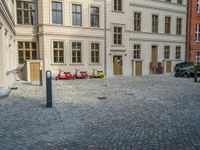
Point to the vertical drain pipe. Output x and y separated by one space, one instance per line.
105 37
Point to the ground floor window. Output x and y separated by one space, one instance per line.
136 52
167 52
58 52
95 52
76 52
26 51
198 57
178 52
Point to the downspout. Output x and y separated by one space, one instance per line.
188 31
105 37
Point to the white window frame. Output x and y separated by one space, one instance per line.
198 6
197 33
197 57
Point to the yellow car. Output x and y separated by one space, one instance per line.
97 74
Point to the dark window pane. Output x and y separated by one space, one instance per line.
59 17
20 53
55 44
34 55
55 53
27 54
55 59
61 59
54 17
27 45
33 45
61 44
61 53
19 4
25 5
73 45
20 45
59 6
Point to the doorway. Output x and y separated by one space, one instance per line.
34 71
168 66
117 65
138 68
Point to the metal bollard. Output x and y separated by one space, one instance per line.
49 88
195 74
41 78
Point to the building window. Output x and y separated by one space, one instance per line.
118 35
178 52
58 52
198 6
26 13
76 52
167 25
198 57
197 37
76 15
167 52
95 52
169 1
137 21
155 23
118 5
180 2
57 12
179 26
94 17
26 51
137 51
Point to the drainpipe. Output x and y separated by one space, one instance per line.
105 37
188 30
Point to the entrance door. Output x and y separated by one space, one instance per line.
34 71
117 65
168 66
138 68
154 58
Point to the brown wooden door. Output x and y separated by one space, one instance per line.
34 71
168 66
138 68
117 65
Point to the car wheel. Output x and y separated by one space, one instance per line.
186 75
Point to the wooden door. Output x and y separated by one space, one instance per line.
168 66
117 65
34 71
138 68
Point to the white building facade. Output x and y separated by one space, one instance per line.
145 36
8 51
141 37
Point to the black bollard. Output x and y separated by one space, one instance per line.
195 74
49 88
41 78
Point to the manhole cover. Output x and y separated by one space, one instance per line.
14 88
102 98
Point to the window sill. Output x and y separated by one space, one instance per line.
77 26
23 25
118 11
58 64
117 45
178 60
95 64
76 64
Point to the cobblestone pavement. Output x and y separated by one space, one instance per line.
122 113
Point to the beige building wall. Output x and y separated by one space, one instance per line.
145 37
45 32
8 52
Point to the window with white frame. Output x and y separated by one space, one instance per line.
197 35
198 6
198 57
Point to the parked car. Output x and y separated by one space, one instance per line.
182 65
187 71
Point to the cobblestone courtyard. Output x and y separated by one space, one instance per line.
150 112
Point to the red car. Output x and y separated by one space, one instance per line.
64 75
81 74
